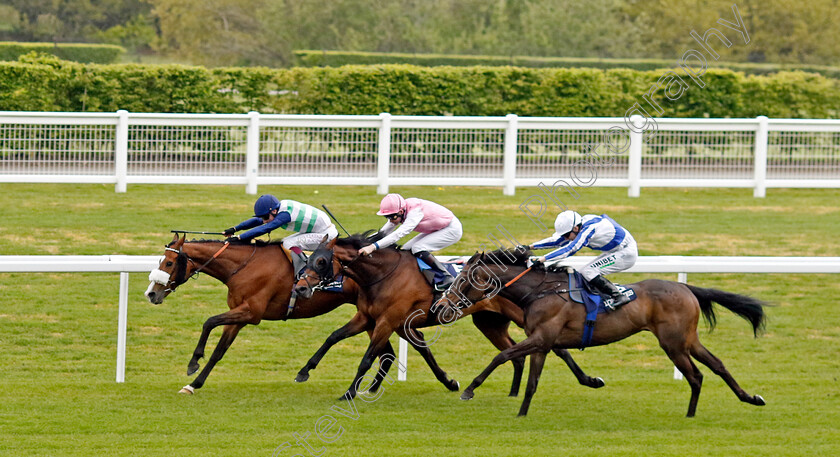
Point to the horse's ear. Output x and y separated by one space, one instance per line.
179 241
331 244
324 239
174 238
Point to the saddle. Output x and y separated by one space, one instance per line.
594 301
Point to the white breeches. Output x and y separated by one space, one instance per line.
619 259
436 241
309 241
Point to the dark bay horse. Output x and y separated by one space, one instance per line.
259 282
394 296
669 310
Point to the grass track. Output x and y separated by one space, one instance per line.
58 340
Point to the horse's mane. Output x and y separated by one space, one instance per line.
513 257
258 243
360 240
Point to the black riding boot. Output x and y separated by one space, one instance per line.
431 261
604 286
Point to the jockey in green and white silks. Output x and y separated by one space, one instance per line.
309 223
601 233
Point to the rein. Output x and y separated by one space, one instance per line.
396 265
204 265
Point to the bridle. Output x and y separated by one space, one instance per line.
326 275
181 268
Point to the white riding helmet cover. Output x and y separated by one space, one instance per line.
566 221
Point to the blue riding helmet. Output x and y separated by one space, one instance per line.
265 204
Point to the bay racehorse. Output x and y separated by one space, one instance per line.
259 281
394 296
258 278
669 310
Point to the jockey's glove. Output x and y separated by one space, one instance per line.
230 231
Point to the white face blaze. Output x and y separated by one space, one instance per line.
157 276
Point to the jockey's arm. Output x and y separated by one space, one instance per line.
569 249
387 228
280 219
550 242
411 220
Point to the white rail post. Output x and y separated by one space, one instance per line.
682 278
383 156
121 151
634 164
511 142
252 153
122 326
401 366
761 138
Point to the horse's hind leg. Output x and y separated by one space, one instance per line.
228 335
416 340
699 352
678 353
537 363
356 325
495 328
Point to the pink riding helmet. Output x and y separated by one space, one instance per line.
391 204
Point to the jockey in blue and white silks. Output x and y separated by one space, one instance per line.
601 233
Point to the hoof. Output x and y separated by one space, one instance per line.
347 395
596 383
187 390
513 394
758 400
454 386
192 368
302 377
467 395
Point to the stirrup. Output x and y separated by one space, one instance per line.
617 302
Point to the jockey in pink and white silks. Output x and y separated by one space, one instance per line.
438 228
601 233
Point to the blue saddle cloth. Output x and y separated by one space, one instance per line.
593 301
438 276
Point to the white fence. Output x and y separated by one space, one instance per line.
256 149
649 264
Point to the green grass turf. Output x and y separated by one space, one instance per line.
58 339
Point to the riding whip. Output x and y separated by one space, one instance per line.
336 220
198 233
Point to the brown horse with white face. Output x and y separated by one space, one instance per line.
669 310
259 281
394 297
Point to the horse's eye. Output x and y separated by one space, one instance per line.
169 264
320 262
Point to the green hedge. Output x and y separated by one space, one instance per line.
307 58
76 52
42 83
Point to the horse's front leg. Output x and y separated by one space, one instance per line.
228 335
239 315
378 342
357 325
582 377
416 339
521 349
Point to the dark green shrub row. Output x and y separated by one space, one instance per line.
306 58
48 84
76 52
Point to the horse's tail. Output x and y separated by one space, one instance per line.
749 308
